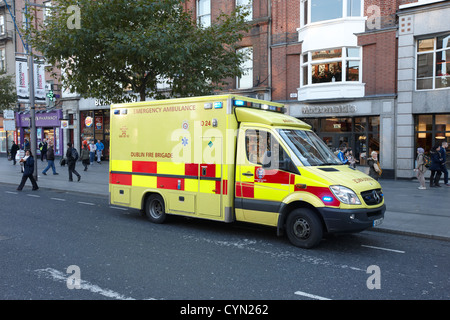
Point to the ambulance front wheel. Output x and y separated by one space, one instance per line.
154 209
304 228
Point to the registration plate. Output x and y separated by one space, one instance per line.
377 222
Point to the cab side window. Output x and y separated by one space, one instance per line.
264 150
257 143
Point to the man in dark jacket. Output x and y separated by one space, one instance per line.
50 160
71 162
28 171
436 166
14 149
444 159
43 146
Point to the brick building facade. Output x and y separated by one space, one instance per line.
335 65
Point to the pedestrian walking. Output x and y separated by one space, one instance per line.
28 162
43 147
72 157
92 149
436 166
444 170
99 145
420 168
374 166
13 152
84 156
50 160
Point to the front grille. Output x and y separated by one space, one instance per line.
372 197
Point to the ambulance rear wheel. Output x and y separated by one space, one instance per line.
154 209
303 228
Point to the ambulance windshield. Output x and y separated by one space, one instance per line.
309 148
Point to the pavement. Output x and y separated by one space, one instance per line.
410 211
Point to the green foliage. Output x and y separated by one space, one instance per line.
8 96
124 45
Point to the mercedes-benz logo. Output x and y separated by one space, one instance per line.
376 196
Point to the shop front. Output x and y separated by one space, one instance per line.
48 127
7 131
94 126
361 125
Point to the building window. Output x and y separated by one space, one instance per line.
47 10
2 59
431 129
353 8
323 10
246 80
2 24
204 13
248 7
331 65
433 63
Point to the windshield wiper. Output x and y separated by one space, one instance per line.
330 164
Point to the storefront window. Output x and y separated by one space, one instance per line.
431 129
361 134
95 125
2 141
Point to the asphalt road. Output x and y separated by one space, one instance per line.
117 254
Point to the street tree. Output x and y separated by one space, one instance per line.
8 97
108 48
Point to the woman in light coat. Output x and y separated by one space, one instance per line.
420 169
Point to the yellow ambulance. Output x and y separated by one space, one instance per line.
231 158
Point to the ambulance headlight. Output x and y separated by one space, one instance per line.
345 195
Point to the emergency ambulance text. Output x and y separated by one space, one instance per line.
165 109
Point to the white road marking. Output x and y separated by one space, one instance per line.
58 199
11 192
385 249
33 195
88 203
308 295
84 285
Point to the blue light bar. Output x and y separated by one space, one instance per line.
256 105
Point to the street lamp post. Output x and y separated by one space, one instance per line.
33 134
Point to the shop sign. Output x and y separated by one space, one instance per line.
88 122
344 108
9 125
50 119
8 114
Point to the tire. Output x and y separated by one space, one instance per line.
304 228
155 209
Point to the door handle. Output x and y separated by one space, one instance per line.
248 174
